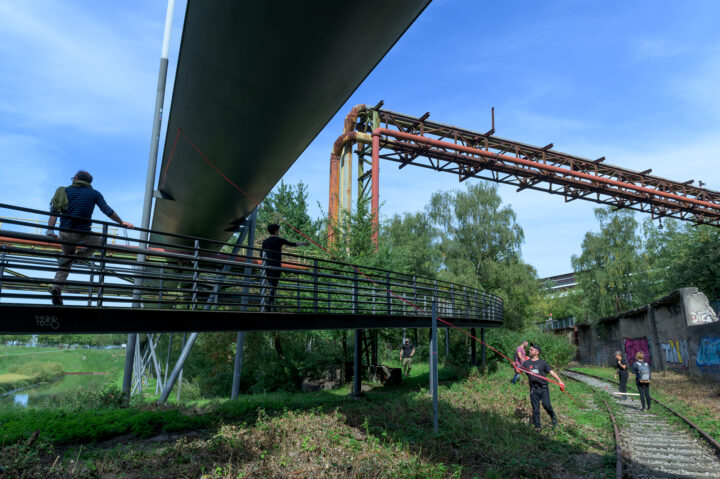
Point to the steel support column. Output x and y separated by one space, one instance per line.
434 366
357 383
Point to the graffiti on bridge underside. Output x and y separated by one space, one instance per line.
632 346
676 352
708 355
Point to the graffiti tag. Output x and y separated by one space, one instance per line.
47 321
702 317
676 352
632 346
708 355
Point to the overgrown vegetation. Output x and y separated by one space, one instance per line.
324 434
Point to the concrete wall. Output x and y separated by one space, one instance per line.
679 331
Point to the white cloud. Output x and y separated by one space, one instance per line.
70 67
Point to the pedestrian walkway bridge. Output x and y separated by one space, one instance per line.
217 288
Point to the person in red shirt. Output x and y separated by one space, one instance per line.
520 358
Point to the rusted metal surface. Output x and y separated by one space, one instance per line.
416 141
618 449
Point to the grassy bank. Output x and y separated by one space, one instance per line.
484 432
30 373
72 360
694 398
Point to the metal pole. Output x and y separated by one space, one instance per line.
473 349
167 361
482 348
150 180
434 366
240 341
177 370
357 385
447 342
180 376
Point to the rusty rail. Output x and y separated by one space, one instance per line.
715 444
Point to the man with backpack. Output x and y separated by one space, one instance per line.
76 203
642 379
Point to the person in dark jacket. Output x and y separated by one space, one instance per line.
643 376
622 373
76 203
272 249
539 391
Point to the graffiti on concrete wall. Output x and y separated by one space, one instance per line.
708 355
702 317
699 310
632 346
676 352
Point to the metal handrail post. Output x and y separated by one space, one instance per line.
101 272
434 366
387 289
315 285
2 266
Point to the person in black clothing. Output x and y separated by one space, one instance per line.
622 373
641 368
539 391
407 351
272 249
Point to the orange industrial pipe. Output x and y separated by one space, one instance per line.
348 127
578 174
375 175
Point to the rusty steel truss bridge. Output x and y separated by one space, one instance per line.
416 141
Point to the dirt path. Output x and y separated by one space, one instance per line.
654 448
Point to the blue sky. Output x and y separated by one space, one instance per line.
635 82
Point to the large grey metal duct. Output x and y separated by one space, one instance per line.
256 82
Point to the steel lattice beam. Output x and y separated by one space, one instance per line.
415 141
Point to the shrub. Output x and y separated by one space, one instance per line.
556 349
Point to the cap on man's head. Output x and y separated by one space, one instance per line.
536 347
273 228
83 175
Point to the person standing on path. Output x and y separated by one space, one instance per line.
272 248
539 390
520 358
407 351
643 376
622 373
76 203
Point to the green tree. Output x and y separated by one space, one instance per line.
479 242
410 240
682 255
612 268
287 206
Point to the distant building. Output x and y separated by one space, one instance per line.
560 283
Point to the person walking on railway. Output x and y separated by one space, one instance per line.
407 351
520 358
272 249
76 204
643 377
539 390
622 373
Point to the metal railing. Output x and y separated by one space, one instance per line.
182 277
555 324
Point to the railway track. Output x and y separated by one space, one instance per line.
651 447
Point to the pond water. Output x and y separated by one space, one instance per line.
66 384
